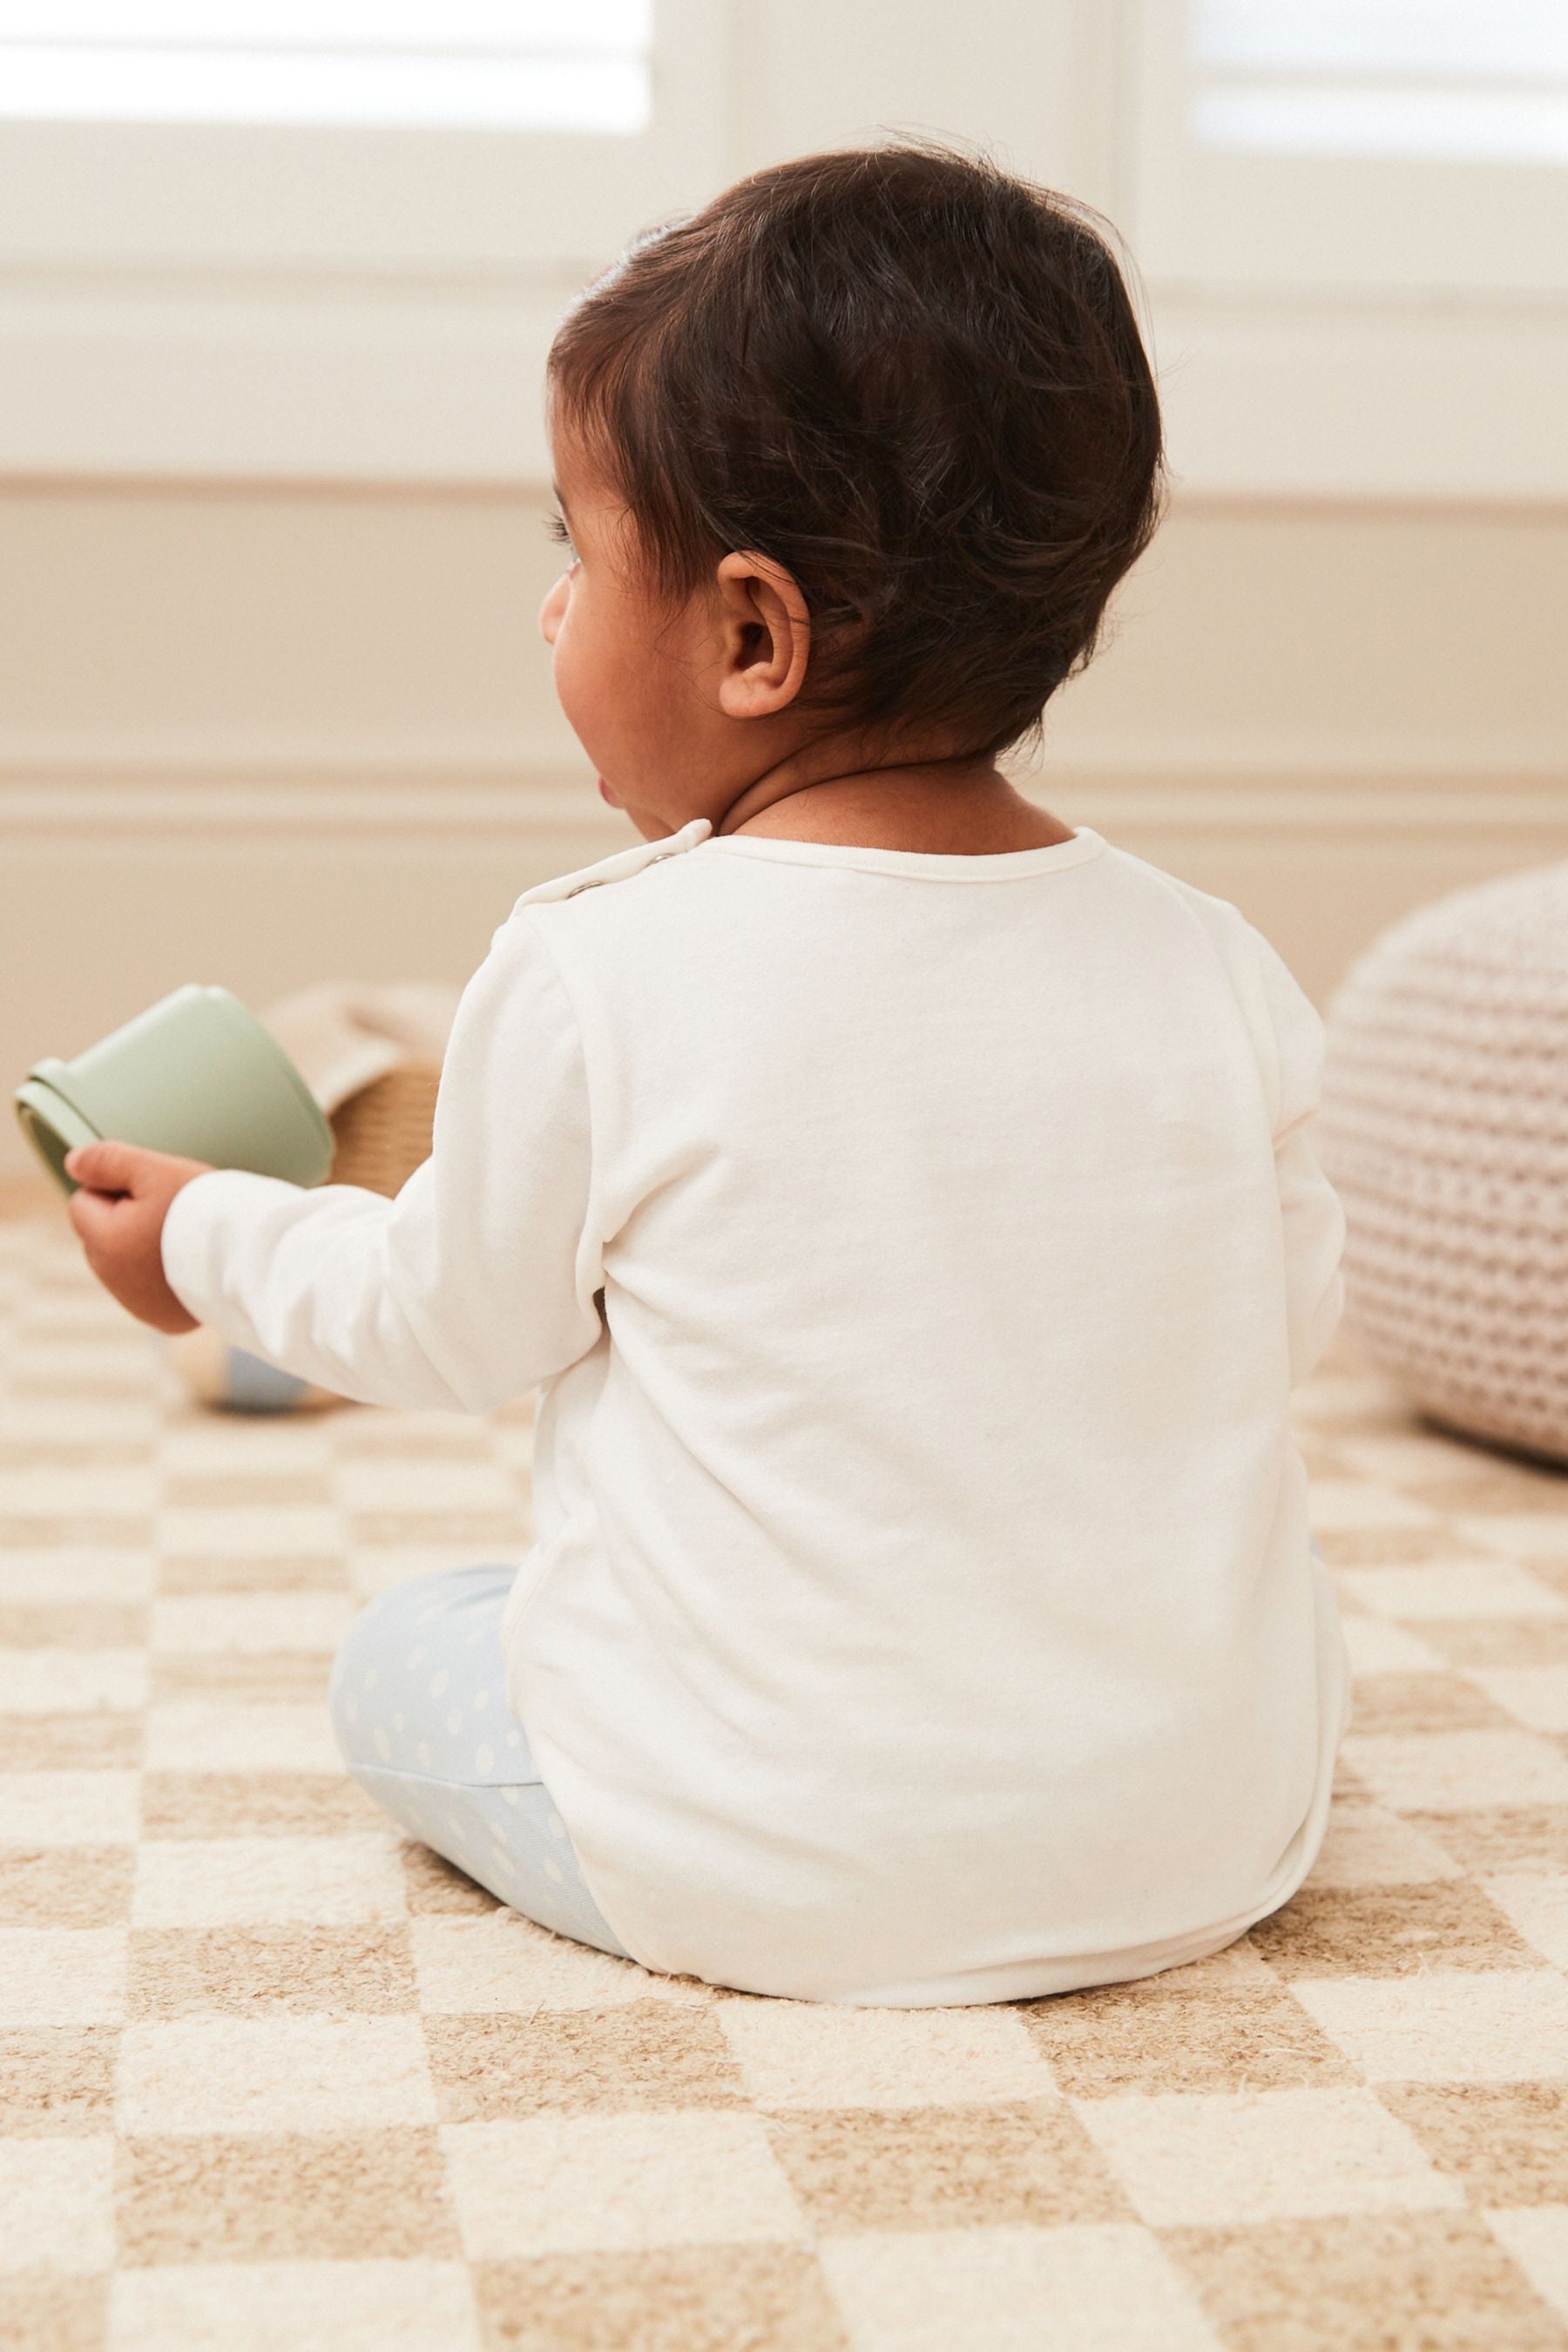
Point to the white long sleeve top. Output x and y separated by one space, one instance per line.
923 1607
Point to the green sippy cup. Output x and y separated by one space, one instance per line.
196 1073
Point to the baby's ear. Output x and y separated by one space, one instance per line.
767 636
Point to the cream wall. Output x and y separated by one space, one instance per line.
261 736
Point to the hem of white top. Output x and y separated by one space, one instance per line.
1042 1978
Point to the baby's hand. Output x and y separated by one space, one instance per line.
119 1218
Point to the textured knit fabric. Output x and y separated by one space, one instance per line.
923 1607
1445 1130
419 1708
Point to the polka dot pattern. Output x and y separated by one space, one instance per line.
407 1712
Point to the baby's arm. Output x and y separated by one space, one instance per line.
479 1279
1312 1222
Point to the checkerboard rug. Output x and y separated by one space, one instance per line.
272 2079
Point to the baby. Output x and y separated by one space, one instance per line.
904 1201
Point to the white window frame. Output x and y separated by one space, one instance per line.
375 305
1481 232
1344 325
294 301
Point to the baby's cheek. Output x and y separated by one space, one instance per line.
591 687
570 687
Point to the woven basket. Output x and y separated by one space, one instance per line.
382 1134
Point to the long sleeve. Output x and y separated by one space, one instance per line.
1312 1221
479 1279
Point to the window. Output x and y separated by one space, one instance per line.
398 134
1352 218
529 65
1445 79
1407 145
324 237
332 237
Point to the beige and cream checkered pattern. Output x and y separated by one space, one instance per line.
273 2079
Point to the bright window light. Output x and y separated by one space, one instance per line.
1460 80
529 65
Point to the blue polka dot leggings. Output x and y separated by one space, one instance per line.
418 1704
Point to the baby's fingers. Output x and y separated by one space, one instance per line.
106 1167
93 1215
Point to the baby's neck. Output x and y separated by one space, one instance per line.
940 808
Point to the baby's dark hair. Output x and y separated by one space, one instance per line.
914 382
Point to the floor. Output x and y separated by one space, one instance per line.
271 2080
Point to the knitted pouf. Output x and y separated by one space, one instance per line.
1445 1127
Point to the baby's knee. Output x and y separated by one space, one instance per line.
366 1662
397 1631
